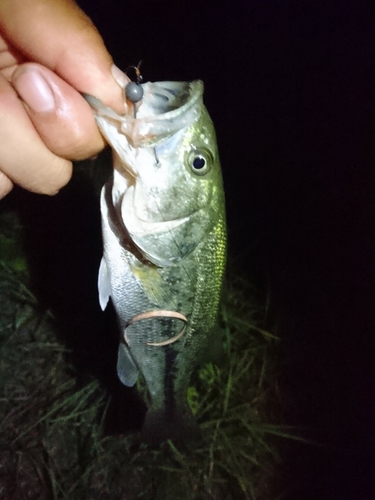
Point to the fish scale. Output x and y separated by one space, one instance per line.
164 239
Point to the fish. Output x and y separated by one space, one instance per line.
164 246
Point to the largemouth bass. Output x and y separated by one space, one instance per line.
164 238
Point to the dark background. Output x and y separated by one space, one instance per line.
290 88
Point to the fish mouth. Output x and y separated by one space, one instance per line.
168 100
166 108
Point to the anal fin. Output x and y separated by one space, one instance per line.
104 284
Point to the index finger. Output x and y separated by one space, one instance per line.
59 35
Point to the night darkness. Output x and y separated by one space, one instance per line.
290 88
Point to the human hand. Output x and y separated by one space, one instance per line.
49 53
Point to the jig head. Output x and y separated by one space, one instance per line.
134 90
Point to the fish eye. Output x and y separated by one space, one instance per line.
200 161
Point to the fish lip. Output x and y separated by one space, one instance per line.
129 171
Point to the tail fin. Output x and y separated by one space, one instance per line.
177 424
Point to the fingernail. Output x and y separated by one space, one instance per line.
35 91
119 76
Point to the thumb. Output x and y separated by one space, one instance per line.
59 35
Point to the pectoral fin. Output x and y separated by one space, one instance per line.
152 283
127 370
104 285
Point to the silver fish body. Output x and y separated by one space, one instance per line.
164 238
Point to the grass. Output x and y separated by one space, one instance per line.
54 442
